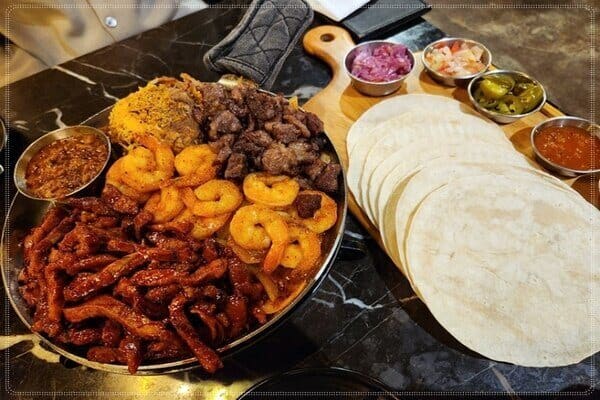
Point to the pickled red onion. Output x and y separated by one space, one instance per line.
383 63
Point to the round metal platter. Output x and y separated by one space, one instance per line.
25 213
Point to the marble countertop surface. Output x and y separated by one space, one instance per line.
364 316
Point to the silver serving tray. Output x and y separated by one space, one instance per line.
25 213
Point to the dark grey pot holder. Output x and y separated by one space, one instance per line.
258 46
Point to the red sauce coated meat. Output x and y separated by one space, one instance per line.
569 146
65 165
112 286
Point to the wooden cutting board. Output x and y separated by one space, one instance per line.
339 104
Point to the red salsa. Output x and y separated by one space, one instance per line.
65 165
569 146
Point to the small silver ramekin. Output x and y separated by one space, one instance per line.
374 88
593 129
498 117
33 148
448 80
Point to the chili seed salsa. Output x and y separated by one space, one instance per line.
65 165
569 146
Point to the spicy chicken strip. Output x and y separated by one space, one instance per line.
35 272
162 294
166 349
93 205
215 329
152 253
106 355
108 307
131 294
84 240
210 272
93 263
80 337
236 309
186 249
51 219
54 299
166 276
207 357
118 201
131 348
140 221
241 280
41 248
210 250
111 333
157 277
84 285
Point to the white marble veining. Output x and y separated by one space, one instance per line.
355 235
491 365
20 124
352 300
74 74
58 119
503 381
323 302
108 95
87 80
133 74
107 71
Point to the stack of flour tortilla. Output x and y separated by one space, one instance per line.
505 256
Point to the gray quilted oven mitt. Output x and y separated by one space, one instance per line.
259 45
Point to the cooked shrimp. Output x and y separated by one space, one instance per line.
270 190
203 227
324 218
146 168
255 227
247 256
113 177
196 166
286 214
304 249
166 205
213 198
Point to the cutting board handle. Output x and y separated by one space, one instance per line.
329 43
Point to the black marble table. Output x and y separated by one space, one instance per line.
364 317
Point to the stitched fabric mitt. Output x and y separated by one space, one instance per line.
258 46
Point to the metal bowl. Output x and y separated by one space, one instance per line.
447 80
33 148
503 118
24 213
321 383
374 88
593 129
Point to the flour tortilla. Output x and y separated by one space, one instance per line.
357 158
509 268
449 130
409 193
410 158
383 111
